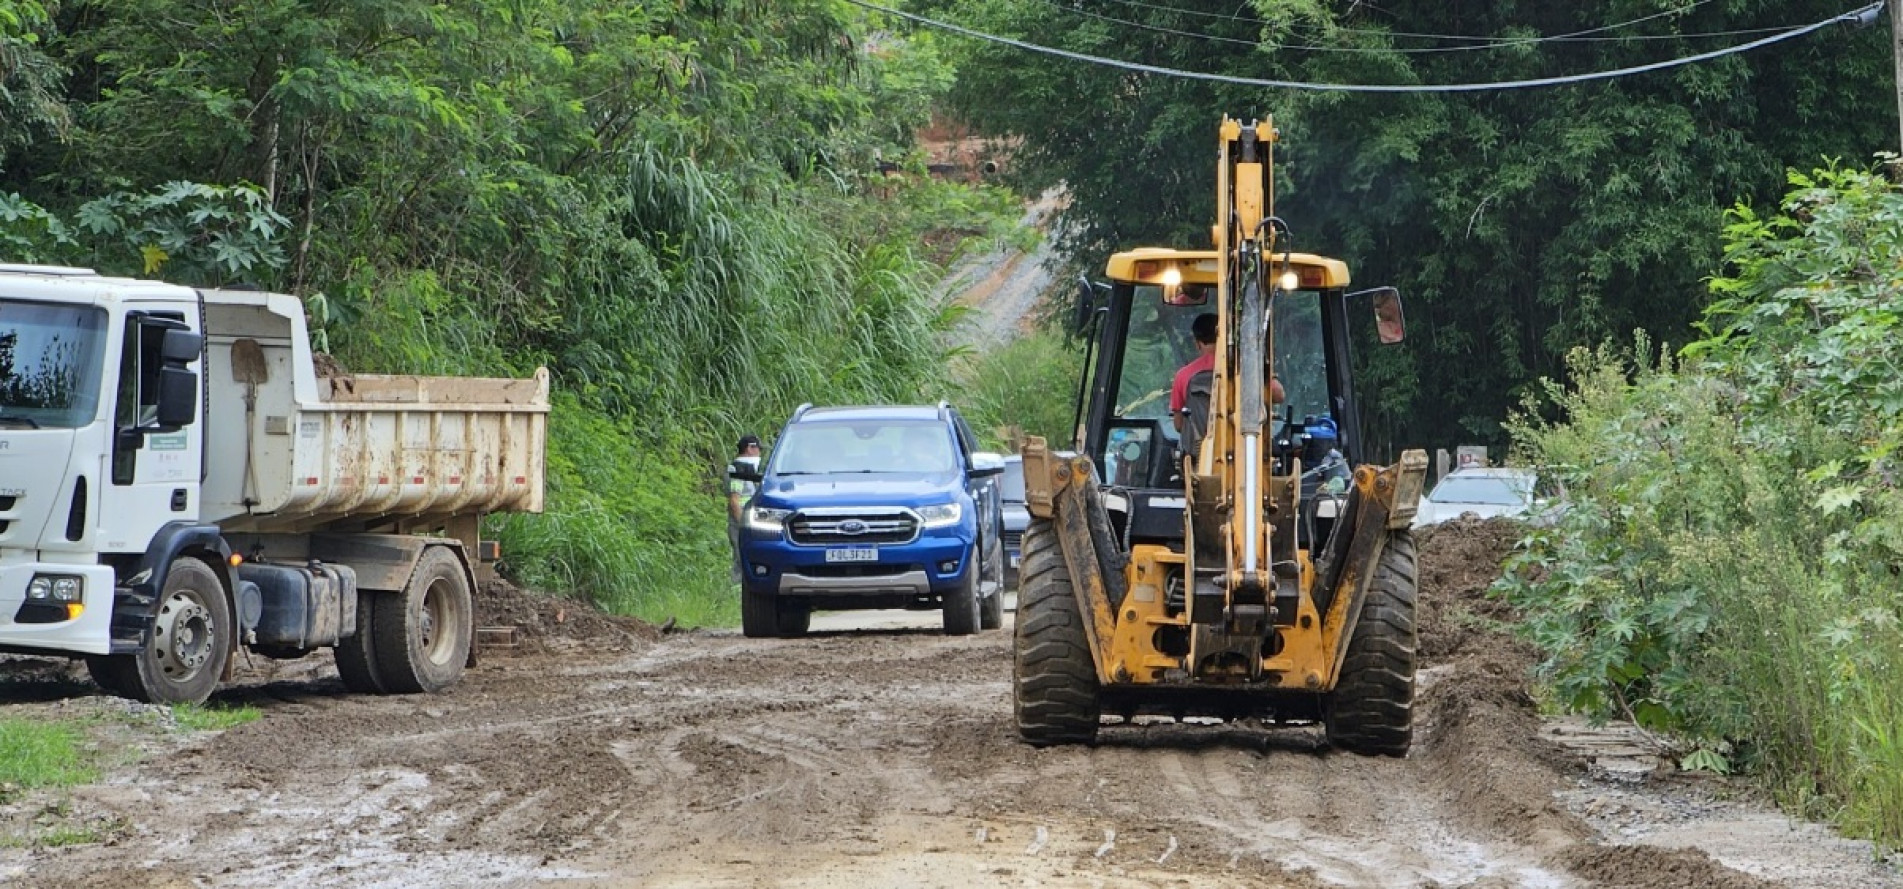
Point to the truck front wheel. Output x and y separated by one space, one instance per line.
422 635
764 615
188 646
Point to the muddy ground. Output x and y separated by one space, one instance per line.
602 753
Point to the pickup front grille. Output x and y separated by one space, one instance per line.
854 527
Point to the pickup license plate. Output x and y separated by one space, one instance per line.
853 554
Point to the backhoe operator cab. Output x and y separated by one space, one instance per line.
1154 296
1252 565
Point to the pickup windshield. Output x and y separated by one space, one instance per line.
51 358
821 448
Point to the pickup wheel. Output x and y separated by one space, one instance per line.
421 636
991 611
1371 710
1053 671
764 615
962 603
188 645
357 654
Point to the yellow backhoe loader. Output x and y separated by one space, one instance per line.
1235 567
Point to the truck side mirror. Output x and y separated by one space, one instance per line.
746 472
181 347
178 398
985 464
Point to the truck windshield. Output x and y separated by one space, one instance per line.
51 359
821 448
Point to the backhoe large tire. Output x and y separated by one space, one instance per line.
764 615
421 636
1054 674
189 643
991 610
1371 710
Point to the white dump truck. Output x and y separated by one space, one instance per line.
177 480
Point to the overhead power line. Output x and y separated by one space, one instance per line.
1855 15
1568 36
1493 42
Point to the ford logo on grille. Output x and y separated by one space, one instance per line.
852 526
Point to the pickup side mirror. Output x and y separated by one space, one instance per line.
746 472
985 464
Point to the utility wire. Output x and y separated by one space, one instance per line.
1242 18
1851 16
1496 42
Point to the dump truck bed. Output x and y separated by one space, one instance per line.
289 450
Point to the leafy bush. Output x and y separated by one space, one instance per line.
1728 566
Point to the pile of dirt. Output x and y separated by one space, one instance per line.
1647 867
1474 715
545 621
1458 561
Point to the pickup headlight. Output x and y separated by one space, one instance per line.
767 518
940 514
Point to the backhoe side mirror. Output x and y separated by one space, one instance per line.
1389 325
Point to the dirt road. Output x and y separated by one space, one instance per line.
609 756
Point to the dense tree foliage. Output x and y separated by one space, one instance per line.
1517 223
668 202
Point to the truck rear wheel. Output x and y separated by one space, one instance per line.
422 635
1371 710
189 644
764 615
357 654
1054 673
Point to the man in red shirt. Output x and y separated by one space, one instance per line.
1203 331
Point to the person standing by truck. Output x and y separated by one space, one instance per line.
739 491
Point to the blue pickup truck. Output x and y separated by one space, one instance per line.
874 507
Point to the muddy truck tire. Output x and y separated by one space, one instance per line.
185 653
767 616
1054 676
1371 710
422 635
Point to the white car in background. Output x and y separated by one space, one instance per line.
1485 492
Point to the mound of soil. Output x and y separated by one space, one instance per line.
545 621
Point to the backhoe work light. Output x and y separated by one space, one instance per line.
1291 281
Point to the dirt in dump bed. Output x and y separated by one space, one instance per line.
544 621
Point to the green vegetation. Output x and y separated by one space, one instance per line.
42 754
1728 567
1517 224
213 717
1026 387
672 205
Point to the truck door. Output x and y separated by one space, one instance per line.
157 441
